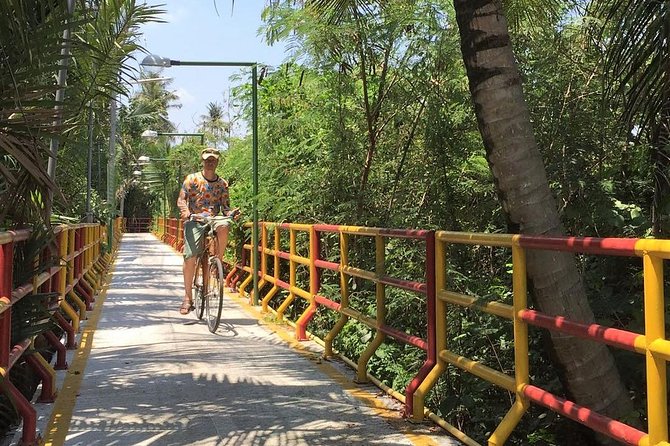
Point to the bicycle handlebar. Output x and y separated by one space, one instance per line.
205 218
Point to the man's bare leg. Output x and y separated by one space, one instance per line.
222 241
189 272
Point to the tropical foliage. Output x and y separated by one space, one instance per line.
51 132
393 114
375 114
102 35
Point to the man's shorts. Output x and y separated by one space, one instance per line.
194 234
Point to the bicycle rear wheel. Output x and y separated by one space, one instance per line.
199 289
214 296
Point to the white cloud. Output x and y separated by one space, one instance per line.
185 97
176 15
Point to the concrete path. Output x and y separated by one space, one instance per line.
145 375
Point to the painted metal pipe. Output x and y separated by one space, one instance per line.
654 321
6 258
61 352
599 423
611 336
47 376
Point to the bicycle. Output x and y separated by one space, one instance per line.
209 280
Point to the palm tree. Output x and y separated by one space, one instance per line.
153 103
638 63
31 34
147 109
29 56
588 371
213 124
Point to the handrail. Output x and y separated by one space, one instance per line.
81 262
653 343
14 236
652 252
378 276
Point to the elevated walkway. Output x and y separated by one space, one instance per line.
145 375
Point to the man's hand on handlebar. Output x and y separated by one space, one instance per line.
204 216
234 213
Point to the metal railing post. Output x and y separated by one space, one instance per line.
6 258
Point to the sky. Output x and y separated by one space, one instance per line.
206 30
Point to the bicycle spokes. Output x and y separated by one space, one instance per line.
214 297
199 289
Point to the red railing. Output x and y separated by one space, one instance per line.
378 276
74 281
134 225
653 344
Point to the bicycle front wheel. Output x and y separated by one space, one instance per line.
214 296
199 288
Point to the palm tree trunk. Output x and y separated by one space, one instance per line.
588 370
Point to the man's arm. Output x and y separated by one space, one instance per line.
225 199
182 204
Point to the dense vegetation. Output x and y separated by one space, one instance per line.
375 114
371 122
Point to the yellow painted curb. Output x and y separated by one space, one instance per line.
61 415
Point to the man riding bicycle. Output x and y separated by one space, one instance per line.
202 197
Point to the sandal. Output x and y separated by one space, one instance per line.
186 307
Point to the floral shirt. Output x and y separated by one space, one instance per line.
204 196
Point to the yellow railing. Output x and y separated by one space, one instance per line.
278 270
653 344
74 281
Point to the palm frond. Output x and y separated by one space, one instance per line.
334 11
32 315
637 60
31 37
104 34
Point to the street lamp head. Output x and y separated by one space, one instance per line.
137 173
143 159
152 60
150 134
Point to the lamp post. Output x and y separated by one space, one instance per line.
89 165
60 97
153 60
151 134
